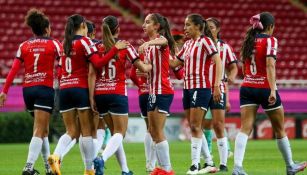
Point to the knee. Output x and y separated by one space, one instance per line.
40 132
195 128
246 129
73 133
219 129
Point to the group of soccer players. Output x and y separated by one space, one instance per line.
92 85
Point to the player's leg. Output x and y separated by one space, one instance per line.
276 115
207 129
159 108
249 106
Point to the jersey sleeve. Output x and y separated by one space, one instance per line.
133 76
230 55
89 47
132 54
271 50
209 46
58 49
19 53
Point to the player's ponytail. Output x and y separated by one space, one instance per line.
38 21
109 28
248 44
164 30
72 25
260 23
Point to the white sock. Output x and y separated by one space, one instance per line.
163 155
121 158
100 137
223 150
205 151
95 146
285 149
112 146
147 146
68 148
152 156
196 144
81 150
88 147
64 141
35 148
46 152
240 145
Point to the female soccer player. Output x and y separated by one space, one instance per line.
110 93
38 55
218 109
258 52
74 95
197 54
157 52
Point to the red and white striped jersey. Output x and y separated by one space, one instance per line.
75 67
227 57
196 55
111 79
255 74
140 81
159 79
38 55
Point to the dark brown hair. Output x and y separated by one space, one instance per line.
267 19
73 24
38 21
109 27
217 24
164 30
197 19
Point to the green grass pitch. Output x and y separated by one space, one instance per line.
261 158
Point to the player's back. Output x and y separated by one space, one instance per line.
75 66
38 55
111 78
255 74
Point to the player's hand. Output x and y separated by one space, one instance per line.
230 79
272 98
122 44
143 47
93 106
217 94
228 106
2 99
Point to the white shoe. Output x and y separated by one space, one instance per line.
193 169
208 169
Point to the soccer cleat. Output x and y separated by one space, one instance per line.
208 169
223 168
193 169
295 168
54 162
30 172
98 165
89 172
125 173
238 171
159 171
49 173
